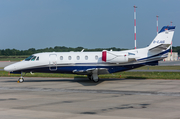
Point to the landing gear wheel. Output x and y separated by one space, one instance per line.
97 80
89 77
94 76
20 80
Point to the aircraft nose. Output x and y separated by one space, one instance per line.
9 68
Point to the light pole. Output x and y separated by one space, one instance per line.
171 23
171 44
157 24
135 24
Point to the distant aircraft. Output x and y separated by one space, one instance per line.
93 64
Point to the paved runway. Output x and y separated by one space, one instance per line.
5 63
57 98
169 63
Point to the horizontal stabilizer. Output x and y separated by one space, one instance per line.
160 47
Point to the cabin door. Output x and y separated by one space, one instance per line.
52 62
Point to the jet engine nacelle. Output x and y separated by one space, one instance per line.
116 57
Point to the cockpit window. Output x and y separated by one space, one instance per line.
29 58
32 58
37 58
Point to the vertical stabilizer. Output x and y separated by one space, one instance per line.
163 38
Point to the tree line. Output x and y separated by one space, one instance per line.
30 51
15 52
176 49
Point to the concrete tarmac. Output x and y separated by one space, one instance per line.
5 63
169 63
67 98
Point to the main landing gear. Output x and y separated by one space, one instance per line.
21 79
93 77
90 77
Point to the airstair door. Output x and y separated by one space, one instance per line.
52 62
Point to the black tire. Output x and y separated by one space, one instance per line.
96 81
89 77
21 80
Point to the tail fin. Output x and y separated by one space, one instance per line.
163 40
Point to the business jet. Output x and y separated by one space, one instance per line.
93 64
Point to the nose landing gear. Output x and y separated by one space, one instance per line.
21 79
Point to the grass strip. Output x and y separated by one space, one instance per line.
122 75
13 58
159 68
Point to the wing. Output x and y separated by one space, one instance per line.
90 71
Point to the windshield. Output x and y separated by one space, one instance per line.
29 58
32 58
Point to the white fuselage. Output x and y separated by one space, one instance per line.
54 61
95 63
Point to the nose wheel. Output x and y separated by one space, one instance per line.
21 79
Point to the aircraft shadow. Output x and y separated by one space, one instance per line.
82 81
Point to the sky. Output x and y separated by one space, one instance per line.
90 24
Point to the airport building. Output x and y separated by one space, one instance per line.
173 57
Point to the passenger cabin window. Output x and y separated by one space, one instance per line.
96 57
78 58
86 57
61 57
69 58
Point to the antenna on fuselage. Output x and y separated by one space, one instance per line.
82 50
